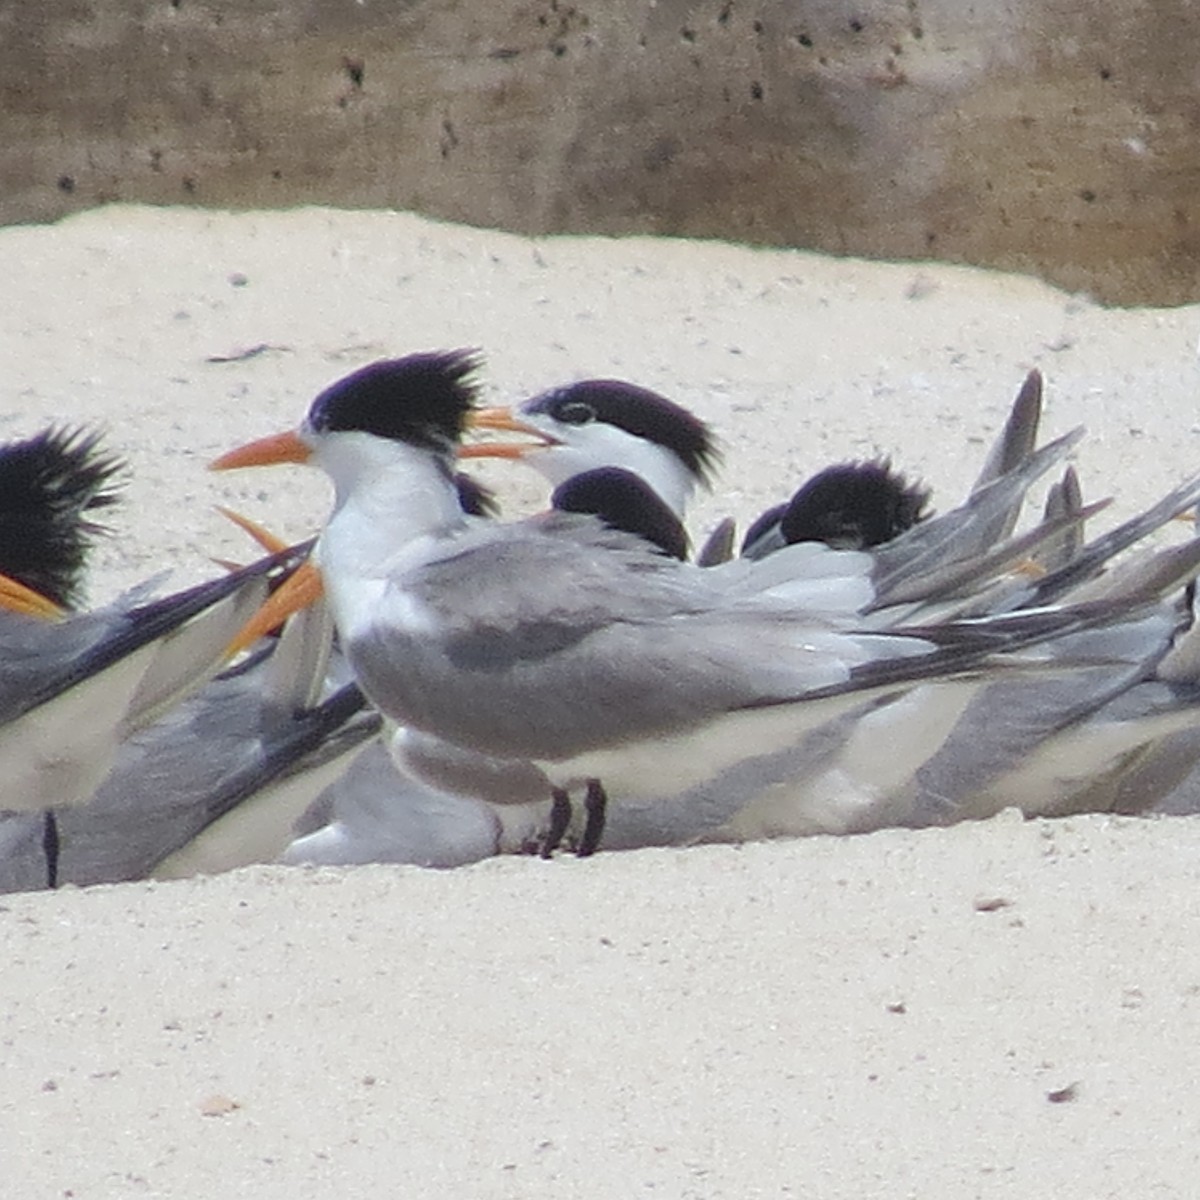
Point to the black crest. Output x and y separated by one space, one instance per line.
638 411
854 506
48 483
422 399
624 501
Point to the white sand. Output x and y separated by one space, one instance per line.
704 1022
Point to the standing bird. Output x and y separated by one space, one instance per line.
561 643
465 806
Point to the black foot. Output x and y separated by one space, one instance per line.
560 818
50 847
595 805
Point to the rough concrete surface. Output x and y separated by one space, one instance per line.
1036 135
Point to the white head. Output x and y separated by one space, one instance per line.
599 423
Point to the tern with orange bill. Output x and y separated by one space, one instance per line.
83 694
555 641
613 424
263 736
599 423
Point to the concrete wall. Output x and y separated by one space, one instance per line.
1053 136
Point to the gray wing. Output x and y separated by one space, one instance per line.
962 535
248 740
70 692
546 644
211 756
550 647
1123 756
1013 447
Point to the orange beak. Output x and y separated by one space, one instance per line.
502 420
303 587
278 448
16 597
263 536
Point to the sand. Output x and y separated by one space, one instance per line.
999 1009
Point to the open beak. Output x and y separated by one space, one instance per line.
303 587
278 448
16 597
502 420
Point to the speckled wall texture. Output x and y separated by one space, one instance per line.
1048 136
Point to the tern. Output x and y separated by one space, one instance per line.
231 753
262 737
72 690
602 423
558 642
628 453
477 806
97 706
73 685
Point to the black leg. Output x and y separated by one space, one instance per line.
595 805
560 818
50 846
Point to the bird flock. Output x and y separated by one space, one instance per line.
426 683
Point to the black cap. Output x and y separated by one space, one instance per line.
623 500
854 506
47 484
638 411
422 399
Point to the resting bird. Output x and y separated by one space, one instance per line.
610 669
108 735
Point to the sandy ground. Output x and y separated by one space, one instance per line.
1001 1009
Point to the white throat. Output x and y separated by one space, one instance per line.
590 447
388 498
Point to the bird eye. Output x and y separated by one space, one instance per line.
576 413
